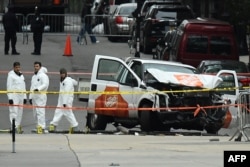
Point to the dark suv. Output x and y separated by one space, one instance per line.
144 9
147 4
157 22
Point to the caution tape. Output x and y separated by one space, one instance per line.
196 109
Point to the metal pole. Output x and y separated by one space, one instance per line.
137 32
137 36
13 135
249 49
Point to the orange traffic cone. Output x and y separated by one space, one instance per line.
67 50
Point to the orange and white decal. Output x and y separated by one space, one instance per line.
189 80
109 102
192 80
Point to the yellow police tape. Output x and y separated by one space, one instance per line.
127 92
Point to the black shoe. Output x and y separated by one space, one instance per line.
78 40
34 53
15 53
6 53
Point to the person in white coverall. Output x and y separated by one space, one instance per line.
65 101
16 82
38 95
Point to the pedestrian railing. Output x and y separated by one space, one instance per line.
21 21
61 24
110 26
243 117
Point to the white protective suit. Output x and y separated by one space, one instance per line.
39 81
16 82
66 96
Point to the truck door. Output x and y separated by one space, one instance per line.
112 85
229 88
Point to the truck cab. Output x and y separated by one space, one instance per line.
154 97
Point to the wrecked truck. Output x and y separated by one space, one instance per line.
154 95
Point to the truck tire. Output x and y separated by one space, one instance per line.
212 130
96 122
149 120
146 120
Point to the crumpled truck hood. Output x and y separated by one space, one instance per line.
191 80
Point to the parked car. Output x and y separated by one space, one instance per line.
158 21
107 7
214 66
172 4
151 93
118 22
203 39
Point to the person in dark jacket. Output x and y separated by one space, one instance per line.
87 22
37 27
10 25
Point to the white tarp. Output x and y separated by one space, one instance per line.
192 80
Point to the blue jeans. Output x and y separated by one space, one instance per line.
88 28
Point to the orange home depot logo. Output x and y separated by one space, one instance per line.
111 101
111 104
189 80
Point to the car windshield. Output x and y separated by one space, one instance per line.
170 68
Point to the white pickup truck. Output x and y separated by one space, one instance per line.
159 95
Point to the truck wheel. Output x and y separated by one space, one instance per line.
96 122
212 130
146 119
149 120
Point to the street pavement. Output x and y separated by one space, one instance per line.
99 150
94 150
